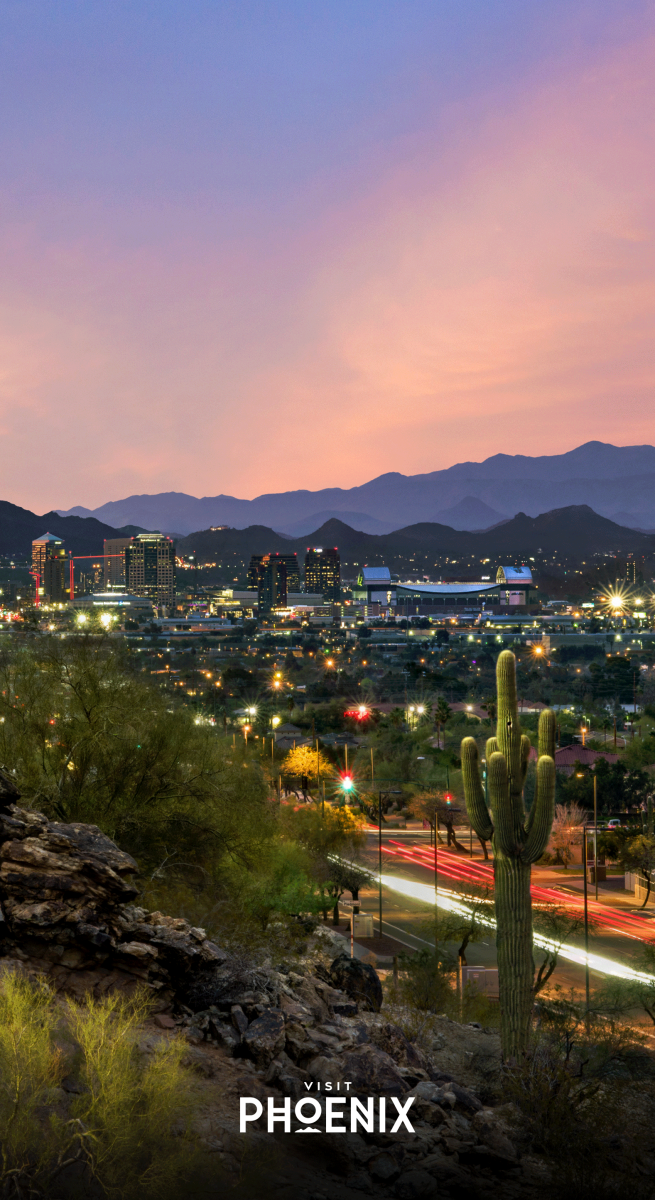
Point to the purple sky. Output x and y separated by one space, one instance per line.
248 247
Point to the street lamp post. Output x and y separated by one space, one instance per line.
586 928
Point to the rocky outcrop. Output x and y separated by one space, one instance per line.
66 895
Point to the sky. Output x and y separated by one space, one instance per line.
249 246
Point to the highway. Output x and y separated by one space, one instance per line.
617 928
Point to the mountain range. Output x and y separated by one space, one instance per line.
83 535
613 480
574 533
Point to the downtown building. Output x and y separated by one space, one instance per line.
272 583
150 568
291 564
51 569
323 572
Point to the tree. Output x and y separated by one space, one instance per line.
555 925
518 839
638 854
89 740
343 877
305 761
566 822
442 714
333 841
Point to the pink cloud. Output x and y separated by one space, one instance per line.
495 294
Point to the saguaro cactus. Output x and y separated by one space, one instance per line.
518 841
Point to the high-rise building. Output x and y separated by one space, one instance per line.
253 572
114 572
51 566
291 563
272 583
323 572
293 571
150 567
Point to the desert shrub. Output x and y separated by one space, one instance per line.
124 1133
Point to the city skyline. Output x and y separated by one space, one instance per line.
433 227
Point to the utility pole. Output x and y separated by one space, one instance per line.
586 929
380 863
595 834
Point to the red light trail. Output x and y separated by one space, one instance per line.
463 870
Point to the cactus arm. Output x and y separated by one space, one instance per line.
525 757
501 804
492 747
546 742
547 733
474 792
509 728
543 809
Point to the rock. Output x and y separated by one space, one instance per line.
164 1022
65 896
465 1099
426 1091
265 1037
239 1019
359 980
392 1039
344 1008
415 1185
372 1072
384 1167
492 1136
223 1034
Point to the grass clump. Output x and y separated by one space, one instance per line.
123 1132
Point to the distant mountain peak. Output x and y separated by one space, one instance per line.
605 478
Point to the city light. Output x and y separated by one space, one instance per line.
347 783
358 714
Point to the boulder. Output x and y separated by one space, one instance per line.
371 1072
359 980
265 1037
66 893
415 1185
392 1039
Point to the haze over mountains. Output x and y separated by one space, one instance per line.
612 480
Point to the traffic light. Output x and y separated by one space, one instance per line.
347 783
448 798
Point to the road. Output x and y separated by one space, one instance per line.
619 927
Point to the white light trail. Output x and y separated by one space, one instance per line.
454 903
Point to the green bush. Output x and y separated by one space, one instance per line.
124 1134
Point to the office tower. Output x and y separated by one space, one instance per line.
114 572
293 571
253 572
272 583
51 566
323 572
291 563
150 567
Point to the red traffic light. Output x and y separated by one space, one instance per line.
448 798
347 783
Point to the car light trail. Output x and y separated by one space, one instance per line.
463 870
454 903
